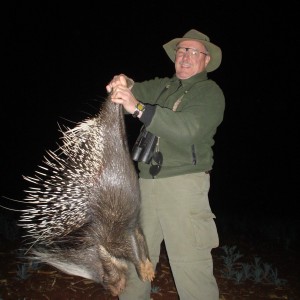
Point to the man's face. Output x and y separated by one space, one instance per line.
191 58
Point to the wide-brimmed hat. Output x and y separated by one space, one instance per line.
213 50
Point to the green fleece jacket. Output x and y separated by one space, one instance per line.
186 133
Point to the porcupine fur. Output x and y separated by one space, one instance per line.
84 202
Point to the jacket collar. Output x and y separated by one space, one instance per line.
196 78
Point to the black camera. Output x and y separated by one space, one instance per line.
144 146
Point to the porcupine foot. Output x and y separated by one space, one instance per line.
114 277
117 288
147 271
141 259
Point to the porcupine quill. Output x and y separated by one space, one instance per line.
84 202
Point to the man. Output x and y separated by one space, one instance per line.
184 112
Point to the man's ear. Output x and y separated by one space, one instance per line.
207 60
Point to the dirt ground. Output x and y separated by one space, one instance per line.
46 282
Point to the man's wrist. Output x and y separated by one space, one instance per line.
139 108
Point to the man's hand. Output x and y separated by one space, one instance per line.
120 80
121 94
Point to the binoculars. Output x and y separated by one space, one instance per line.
144 146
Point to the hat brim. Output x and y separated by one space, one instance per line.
215 52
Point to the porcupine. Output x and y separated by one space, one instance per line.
85 202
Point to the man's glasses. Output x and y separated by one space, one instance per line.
155 168
192 52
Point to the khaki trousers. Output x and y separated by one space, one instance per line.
177 210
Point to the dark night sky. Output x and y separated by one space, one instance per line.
58 59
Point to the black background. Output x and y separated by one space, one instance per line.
58 58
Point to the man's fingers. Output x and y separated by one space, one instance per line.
123 80
118 80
